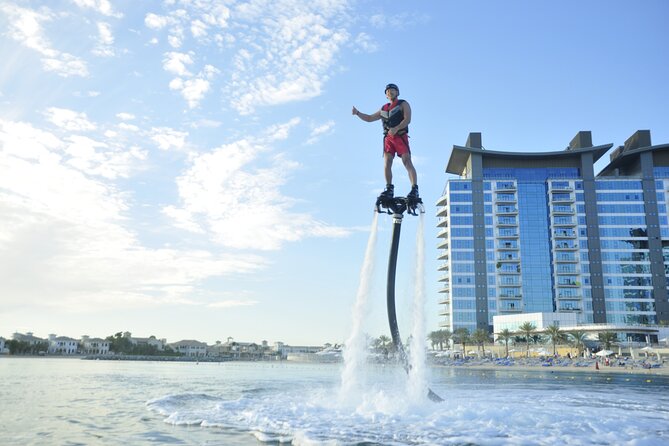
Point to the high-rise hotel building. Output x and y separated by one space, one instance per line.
539 232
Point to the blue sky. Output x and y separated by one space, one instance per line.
191 169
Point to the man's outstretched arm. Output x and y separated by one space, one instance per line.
365 117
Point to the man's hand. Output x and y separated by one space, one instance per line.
392 131
354 111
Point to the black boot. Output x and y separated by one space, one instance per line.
413 195
389 192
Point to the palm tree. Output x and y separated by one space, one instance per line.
480 337
554 334
439 337
461 336
578 340
527 328
505 335
608 338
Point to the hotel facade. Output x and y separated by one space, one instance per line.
541 233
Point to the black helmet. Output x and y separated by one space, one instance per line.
392 86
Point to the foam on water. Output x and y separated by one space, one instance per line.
493 414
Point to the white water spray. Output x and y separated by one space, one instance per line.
417 381
355 350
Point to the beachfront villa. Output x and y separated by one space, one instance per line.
539 233
189 348
62 345
94 346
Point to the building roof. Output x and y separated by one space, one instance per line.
623 156
460 154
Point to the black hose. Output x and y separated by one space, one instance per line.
392 315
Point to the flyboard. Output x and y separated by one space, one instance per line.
396 207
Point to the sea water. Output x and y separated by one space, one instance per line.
45 401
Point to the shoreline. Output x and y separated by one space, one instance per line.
603 370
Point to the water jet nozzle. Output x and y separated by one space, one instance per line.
398 205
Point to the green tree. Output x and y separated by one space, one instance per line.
577 339
527 328
439 337
505 336
608 338
480 337
120 344
555 335
461 336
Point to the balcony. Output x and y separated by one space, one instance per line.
443 244
446 312
564 222
508 258
443 200
444 267
505 187
569 284
562 198
446 300
506 222
553 188
507 234
569 296
564 234
566 259
443 223
511 310
562 210
507 285
445 278
570 310
445 289
506 210
442 212
443 256
563 246
505 199
565 271
504 296
503 246
443 233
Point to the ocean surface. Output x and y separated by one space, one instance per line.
45 401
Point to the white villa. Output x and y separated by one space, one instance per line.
28 337
63 345
190 348
94 346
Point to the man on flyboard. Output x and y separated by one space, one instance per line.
395 116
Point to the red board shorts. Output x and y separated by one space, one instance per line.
397 144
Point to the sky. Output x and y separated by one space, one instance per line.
191 169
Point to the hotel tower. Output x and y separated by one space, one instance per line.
541 233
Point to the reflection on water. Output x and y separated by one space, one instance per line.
68 401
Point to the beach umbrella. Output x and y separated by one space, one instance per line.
604 353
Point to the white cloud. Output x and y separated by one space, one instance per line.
25 26
284 48
233 193
66 240
233 303
102 6
281 131
69 119
366 43
154 21
167 138
105 41
123 116
318 131
175 63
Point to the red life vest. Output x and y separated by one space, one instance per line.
392 115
